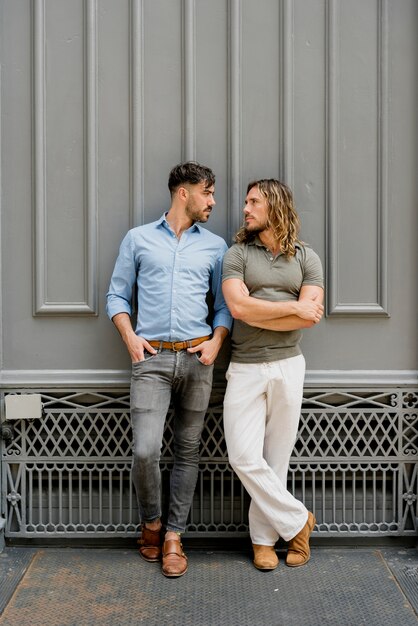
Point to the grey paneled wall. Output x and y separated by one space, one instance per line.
357 125
100 98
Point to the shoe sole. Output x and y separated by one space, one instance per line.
298 564
265 569
174 575
157 560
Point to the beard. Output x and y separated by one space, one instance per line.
196 214
255 229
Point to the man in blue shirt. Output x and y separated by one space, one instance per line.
174 263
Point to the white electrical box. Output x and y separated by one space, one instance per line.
23 407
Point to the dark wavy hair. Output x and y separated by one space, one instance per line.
190 172
282 218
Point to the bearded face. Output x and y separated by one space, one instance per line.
255 211
200 202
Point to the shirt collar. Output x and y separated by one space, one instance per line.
256 241
163 222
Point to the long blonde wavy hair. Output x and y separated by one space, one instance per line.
282 218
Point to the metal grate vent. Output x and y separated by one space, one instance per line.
354 465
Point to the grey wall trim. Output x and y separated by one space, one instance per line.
362 378
2 519
234 117
45 379
286 93
189 80
1 236
334 306
137 211
41 305
11 379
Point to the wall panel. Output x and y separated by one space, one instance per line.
65 157
357 159
100 99
211 101
162 88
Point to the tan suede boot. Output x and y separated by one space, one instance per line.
299 552
265 557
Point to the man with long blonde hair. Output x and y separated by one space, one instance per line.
273 285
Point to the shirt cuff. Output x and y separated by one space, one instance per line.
222 319
113 308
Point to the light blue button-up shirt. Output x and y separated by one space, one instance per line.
173 277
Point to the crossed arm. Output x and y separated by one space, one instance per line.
279 316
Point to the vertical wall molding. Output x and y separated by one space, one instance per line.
234 117
41 304
189 80
383 151
286 121
92 154
137 211
334 306
1 224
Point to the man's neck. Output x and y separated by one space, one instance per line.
268 240
178 221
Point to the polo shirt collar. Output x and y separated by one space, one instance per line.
257 242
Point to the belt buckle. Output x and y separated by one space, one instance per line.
174 346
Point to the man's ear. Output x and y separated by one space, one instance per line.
183 193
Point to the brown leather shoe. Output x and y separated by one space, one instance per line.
265 557
174 559
299 552
150 544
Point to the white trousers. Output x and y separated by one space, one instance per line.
261 417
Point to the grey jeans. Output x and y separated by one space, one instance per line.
182 378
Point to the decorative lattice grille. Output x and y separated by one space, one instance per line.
354 465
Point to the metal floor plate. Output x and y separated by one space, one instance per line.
339 587
404 566
13 565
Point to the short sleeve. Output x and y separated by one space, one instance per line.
312 270
233 263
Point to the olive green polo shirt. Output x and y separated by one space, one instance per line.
270 278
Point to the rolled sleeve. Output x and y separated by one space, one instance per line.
119 295
222 316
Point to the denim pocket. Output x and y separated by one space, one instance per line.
147 357
197 356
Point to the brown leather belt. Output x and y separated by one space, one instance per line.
176 346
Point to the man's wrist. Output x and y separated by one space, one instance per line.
128 335
219 333
289 307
